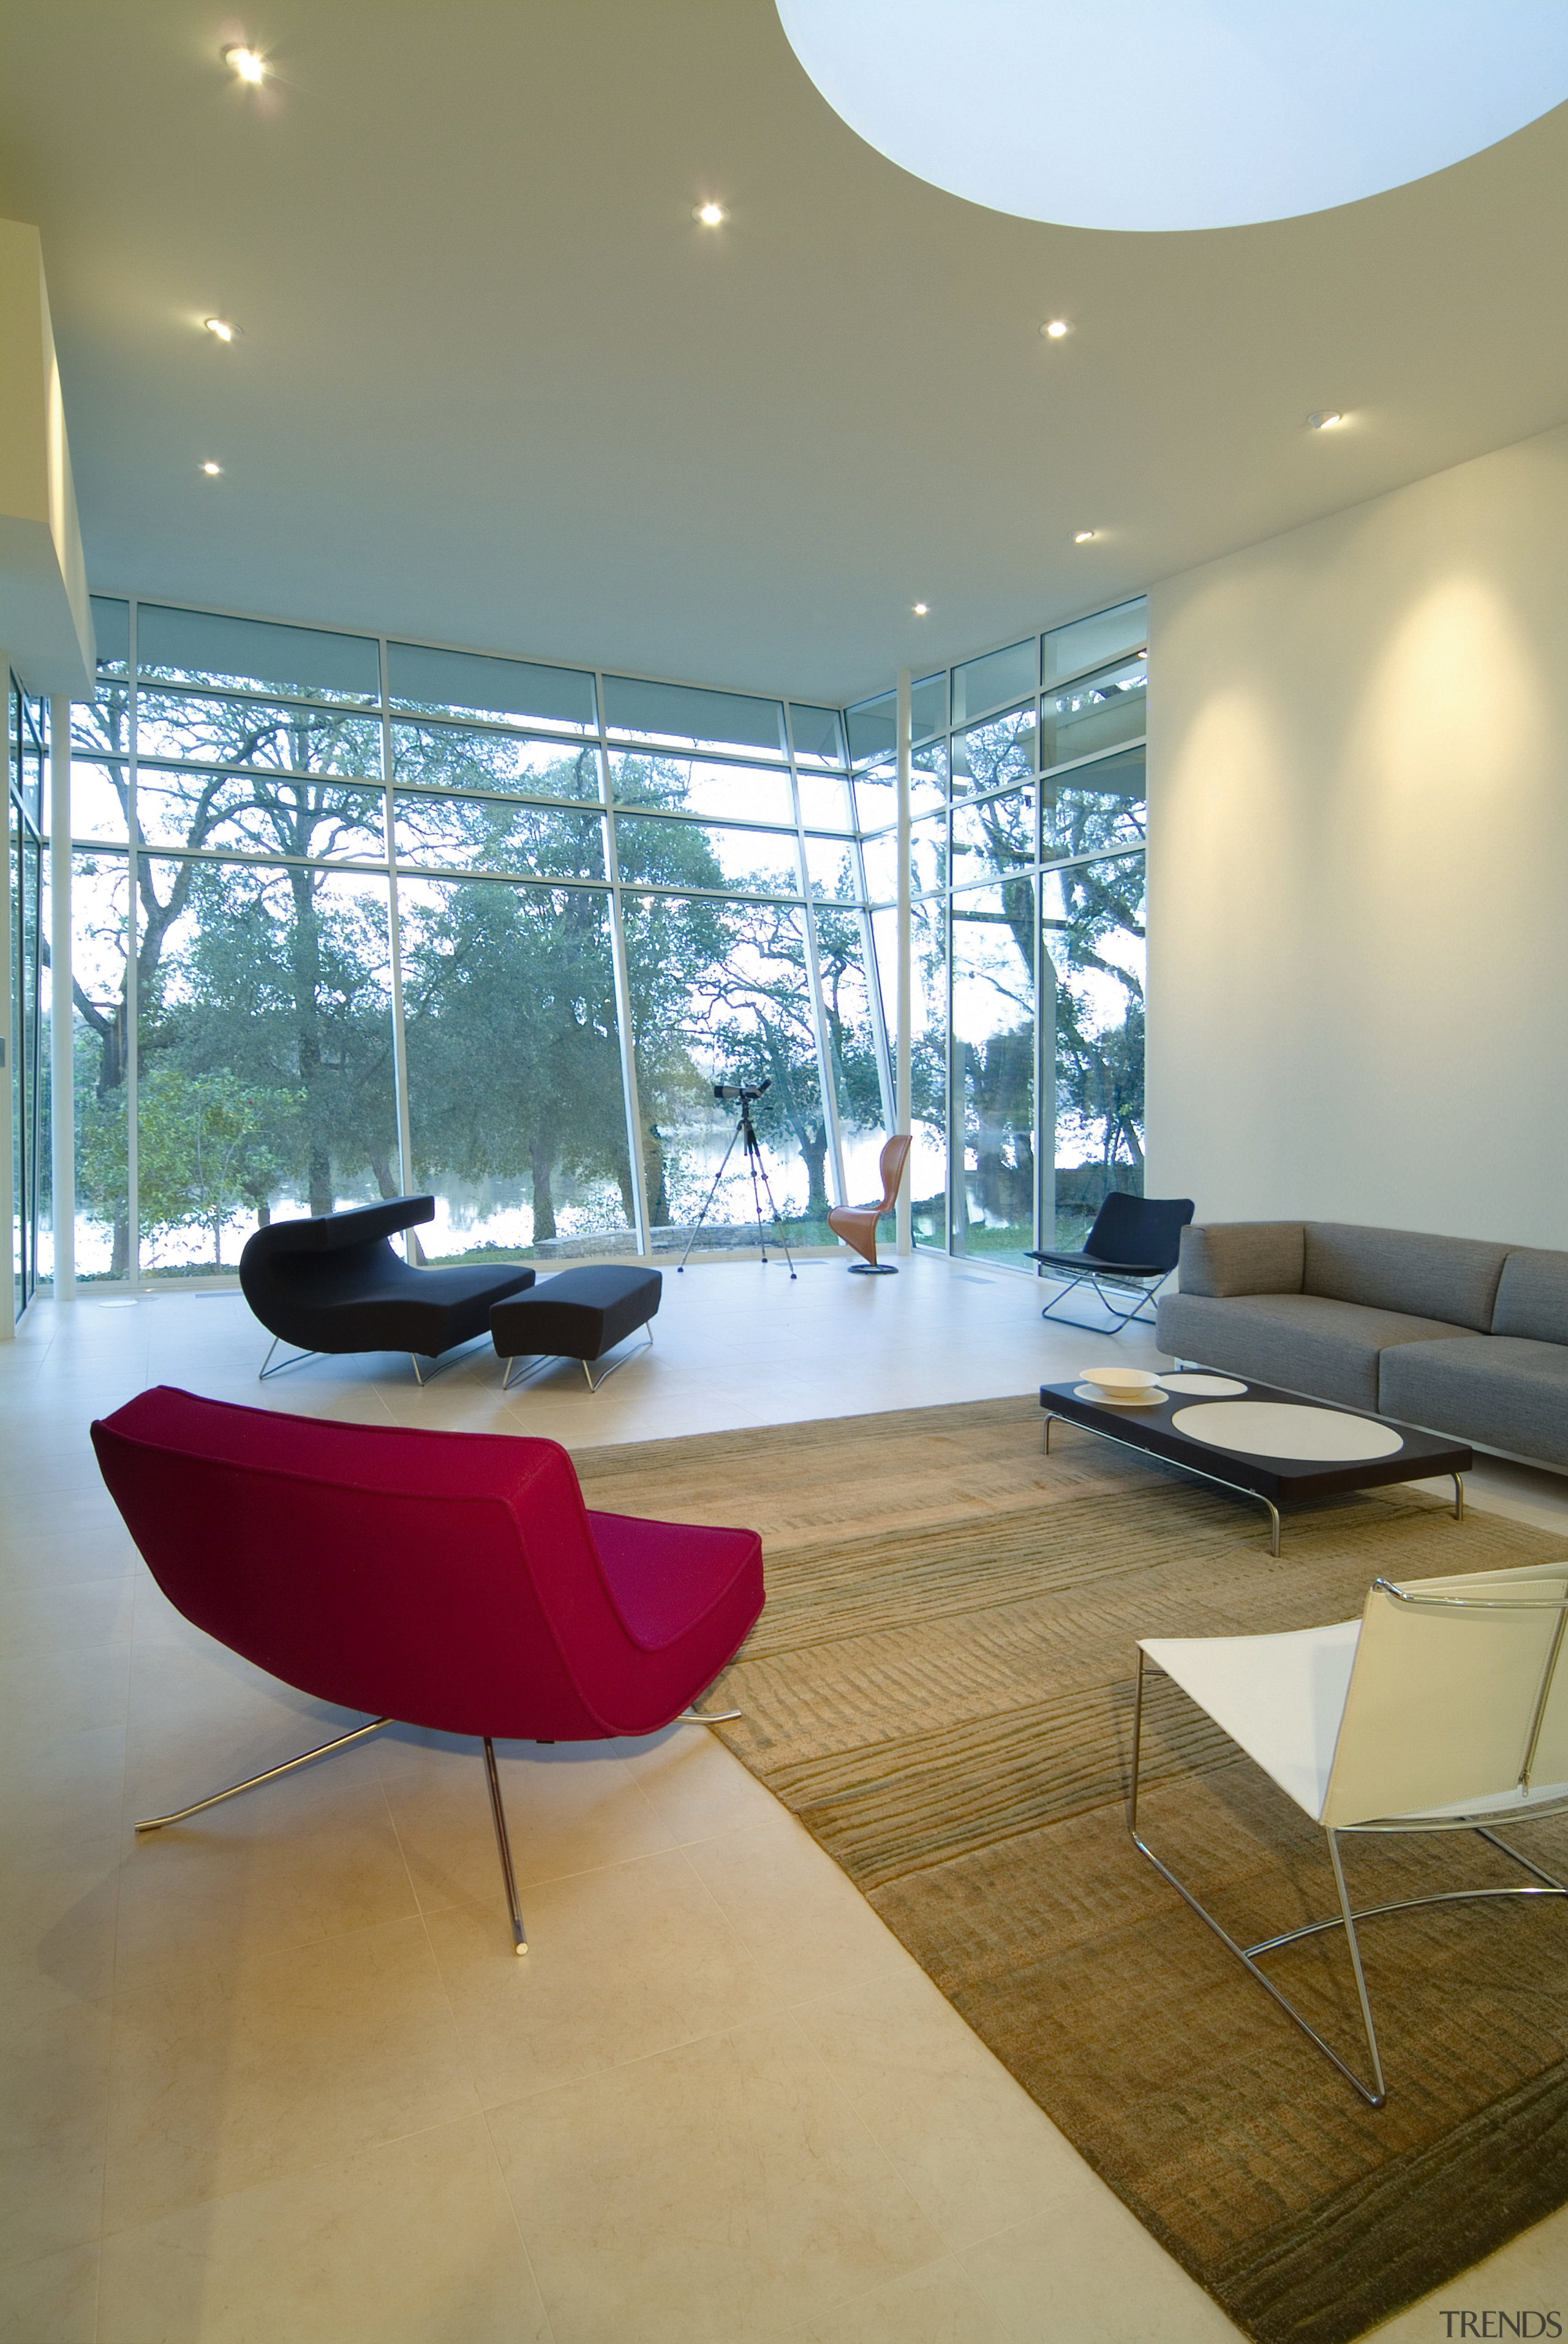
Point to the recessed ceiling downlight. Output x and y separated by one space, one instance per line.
1326 418
922 610
212 469
1054 329
1237 111
248 64
225 329
1084 536
712 214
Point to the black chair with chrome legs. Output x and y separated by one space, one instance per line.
1132 1248
335 1284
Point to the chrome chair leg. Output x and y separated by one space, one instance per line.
269 1774
294 1359
1244 1954
618 1363
503 1848
1138 1314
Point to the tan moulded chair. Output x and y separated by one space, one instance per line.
1444 1708
857 1224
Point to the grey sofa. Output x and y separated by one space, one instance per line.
1452 1333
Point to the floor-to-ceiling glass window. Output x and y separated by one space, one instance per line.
1027 825
355 917
29 984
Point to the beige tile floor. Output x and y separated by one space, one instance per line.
279 2076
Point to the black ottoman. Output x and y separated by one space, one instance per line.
579 1314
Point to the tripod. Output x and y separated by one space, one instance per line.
746 1132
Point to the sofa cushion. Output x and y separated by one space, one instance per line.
1498 1389
1451 1280
1303 1341
1242 1258
1533 1297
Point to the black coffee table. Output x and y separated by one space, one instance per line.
1274 1481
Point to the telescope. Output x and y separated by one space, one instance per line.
747 1092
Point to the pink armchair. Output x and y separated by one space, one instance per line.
449 1579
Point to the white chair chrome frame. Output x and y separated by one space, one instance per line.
1385 1675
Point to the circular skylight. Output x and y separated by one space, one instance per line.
1180 114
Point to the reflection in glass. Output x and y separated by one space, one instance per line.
101 727
99 796
928 861
101 1054
876 791
880 858
261 812
830 868
988 756
993 1052
310 739
450 757
874 724
515 1096
1090 642
679 712
1094 806
1095 712
851 1047
467 683
999 676
824 802
480 834
929 854
698 785
994 835
28 1055
264 1040
759 861
928 1057
111 634
1092 973
721 992
199 647
816 733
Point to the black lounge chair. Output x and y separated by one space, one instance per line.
1133 1246
335 1285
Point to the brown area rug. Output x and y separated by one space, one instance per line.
940 1688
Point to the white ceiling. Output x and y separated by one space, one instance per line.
496 388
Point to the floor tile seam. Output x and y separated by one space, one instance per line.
526 1881
884 2155
225 1982
725 2034
1063 2195
588 2076
486 2116
467 2059
294 2170
11 2266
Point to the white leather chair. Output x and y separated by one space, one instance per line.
1444 1707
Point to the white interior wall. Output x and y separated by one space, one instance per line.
1357 866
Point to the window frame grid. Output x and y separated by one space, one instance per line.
607 741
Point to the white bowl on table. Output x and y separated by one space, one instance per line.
1128 1386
